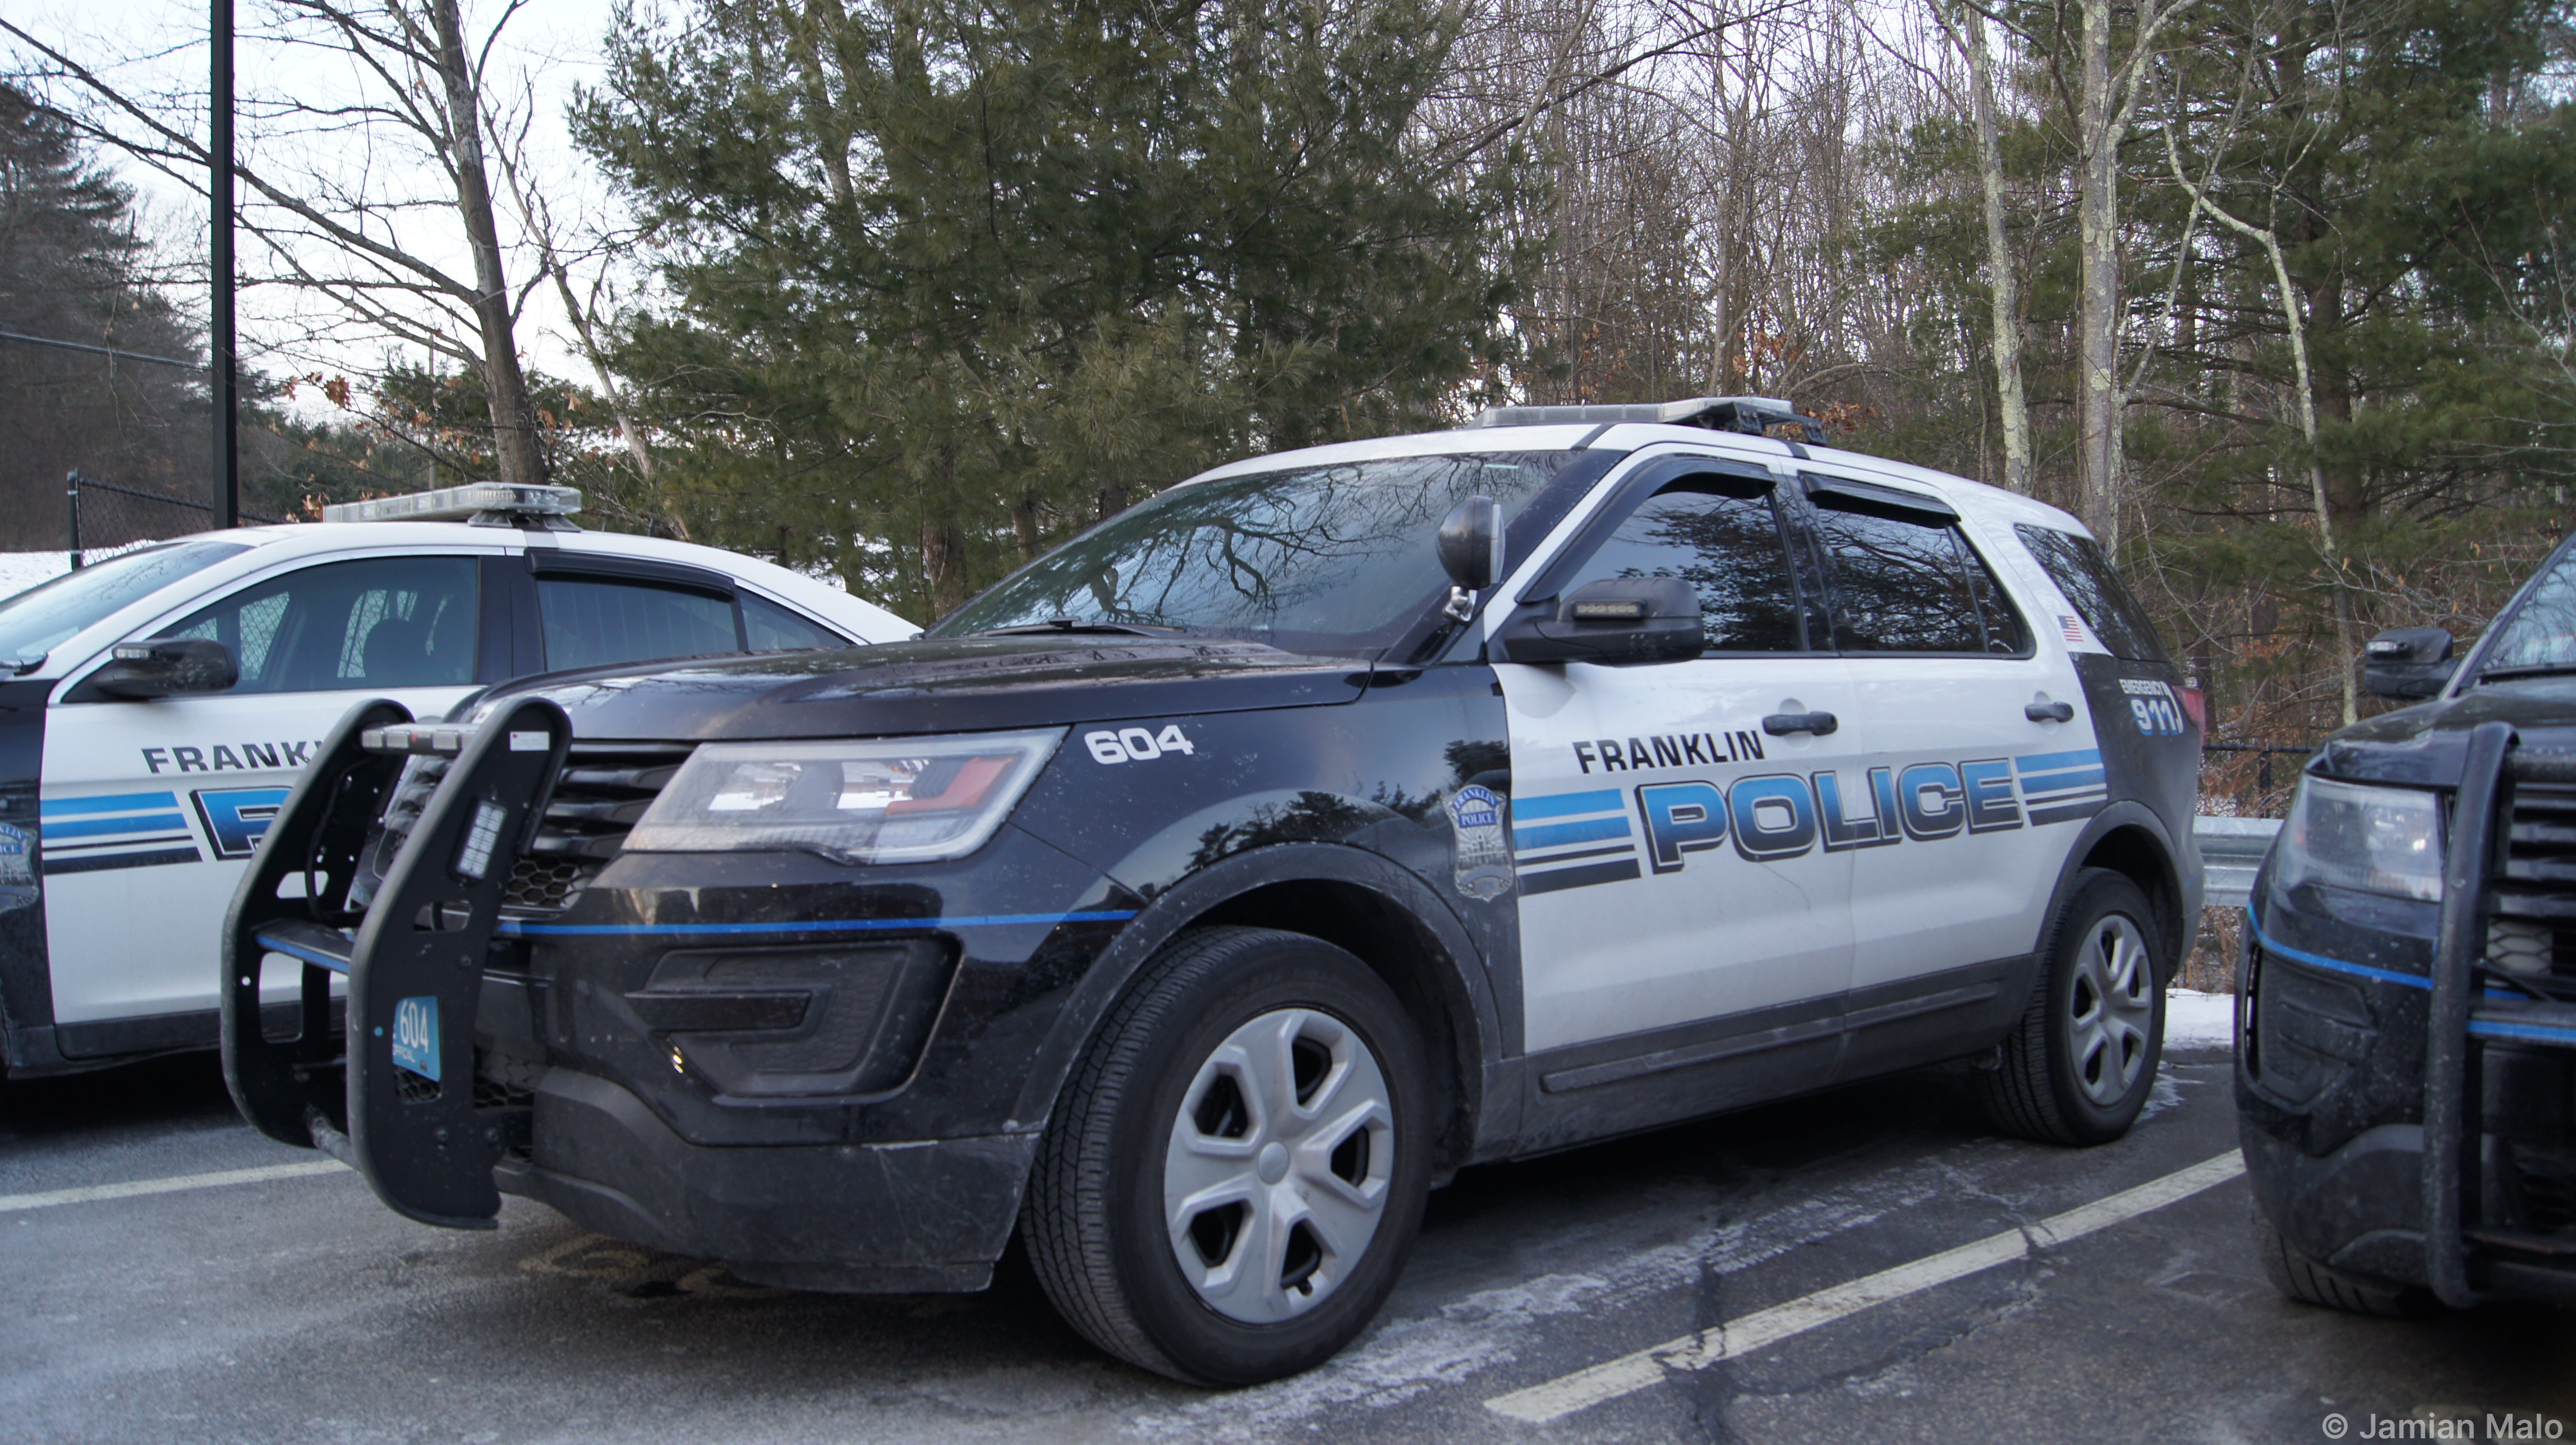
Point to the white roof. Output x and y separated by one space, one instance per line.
1989 503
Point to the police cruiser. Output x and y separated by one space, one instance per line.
2406 1034
155 707
1206 891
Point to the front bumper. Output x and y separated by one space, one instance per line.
2407 1102
823 1076
919 1216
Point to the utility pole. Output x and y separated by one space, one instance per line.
223 372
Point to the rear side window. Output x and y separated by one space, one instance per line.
1723 540
2081 571
383 622
1904 585
768 627
594 623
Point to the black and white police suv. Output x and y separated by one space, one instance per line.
155 707
2406 1033
1196 898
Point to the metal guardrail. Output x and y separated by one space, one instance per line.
2231 849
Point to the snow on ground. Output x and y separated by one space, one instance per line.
22 570
2199 1020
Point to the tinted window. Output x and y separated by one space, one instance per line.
34 621
1727 544
2083 573
594 623
383 622
1899 586
768 627
1337 558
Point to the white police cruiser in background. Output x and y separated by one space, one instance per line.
1194 899
155 707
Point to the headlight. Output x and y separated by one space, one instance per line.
886 800
2378 840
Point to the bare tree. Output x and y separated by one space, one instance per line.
366 199
1966 27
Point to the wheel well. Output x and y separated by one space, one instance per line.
1374 929
2136 854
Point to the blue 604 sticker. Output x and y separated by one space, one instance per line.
416 1036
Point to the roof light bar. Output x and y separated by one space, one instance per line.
447 504
1750 415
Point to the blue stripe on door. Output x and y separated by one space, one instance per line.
116 803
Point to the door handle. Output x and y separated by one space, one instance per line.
2049 711
1781 724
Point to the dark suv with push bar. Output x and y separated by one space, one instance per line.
2406 1034
1194 899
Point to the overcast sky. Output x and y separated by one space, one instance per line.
159 47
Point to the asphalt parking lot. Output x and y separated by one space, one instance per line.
1868 1265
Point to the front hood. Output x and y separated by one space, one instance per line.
2422 746
936 685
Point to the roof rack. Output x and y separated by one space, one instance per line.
1749 415
485 504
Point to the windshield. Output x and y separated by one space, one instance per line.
1313 559
37 620
2541 633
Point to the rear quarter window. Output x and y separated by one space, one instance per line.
2080 569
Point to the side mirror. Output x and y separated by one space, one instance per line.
2408 662
166 667
1471 543
1618 621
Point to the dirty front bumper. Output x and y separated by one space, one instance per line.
825 1076
2406 1100
919 1216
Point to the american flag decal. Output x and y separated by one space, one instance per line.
2073 627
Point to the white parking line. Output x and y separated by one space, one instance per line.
1558 1398
12 1203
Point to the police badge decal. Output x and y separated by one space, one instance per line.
1484 856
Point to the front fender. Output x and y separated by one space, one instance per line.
1464 981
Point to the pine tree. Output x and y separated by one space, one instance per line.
977 274
74 268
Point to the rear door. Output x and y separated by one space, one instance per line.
1957 705
1683 914
600 611
150 809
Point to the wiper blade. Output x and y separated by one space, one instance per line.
1069 625
21 666
2545 669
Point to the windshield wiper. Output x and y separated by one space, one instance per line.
2509 674
21 666
1068 624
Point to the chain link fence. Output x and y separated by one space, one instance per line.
106 518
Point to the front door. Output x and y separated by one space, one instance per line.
150 810
1675 858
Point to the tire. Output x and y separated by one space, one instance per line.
1269 1243
2079 1065
2300 1278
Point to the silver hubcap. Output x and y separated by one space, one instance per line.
2112 1010
1276 1176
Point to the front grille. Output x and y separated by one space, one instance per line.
2531 896
604 789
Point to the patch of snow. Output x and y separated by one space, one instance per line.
22 570
2196 1020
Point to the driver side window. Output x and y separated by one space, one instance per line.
383 622
1723 537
